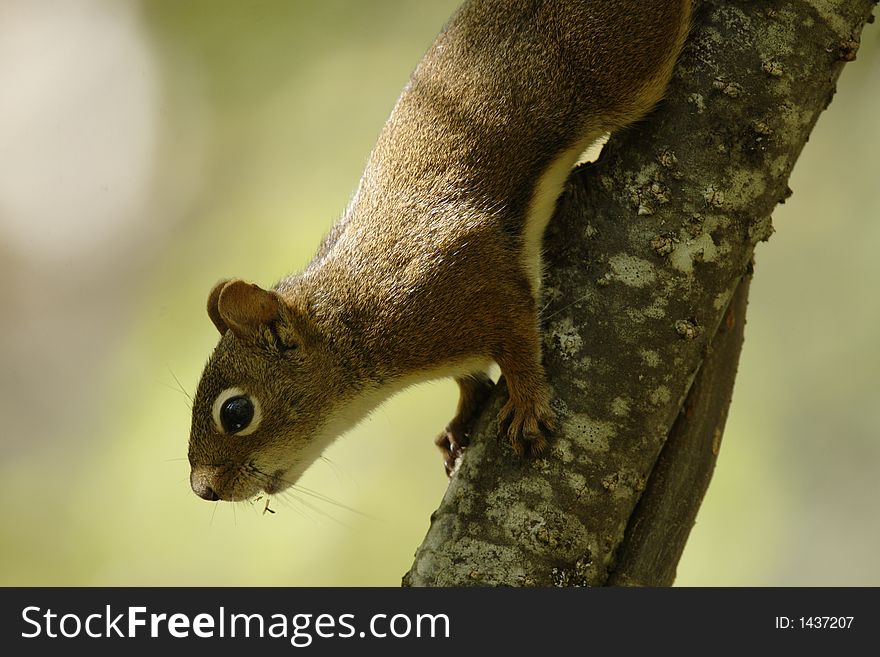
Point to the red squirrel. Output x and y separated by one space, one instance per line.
434 270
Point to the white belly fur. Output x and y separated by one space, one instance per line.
542 206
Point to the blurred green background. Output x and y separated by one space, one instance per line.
149 149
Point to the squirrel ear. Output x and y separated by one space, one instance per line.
214 306
242 307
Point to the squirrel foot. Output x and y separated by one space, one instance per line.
527 425
451 442
473 392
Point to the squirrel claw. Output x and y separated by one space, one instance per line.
451 443
474 390
527 429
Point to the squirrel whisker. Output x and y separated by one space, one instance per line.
263 477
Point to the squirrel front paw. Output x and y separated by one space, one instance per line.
527 425
451 443
473 392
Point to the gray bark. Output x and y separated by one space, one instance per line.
648 264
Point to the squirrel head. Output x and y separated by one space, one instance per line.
264 397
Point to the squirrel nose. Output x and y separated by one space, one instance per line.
201 480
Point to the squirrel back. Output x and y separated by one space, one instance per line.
434 269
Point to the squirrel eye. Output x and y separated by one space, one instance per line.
236 413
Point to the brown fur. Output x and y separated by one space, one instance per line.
424 275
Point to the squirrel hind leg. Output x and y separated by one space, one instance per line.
473 390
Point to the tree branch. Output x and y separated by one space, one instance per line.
661 523
645 254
